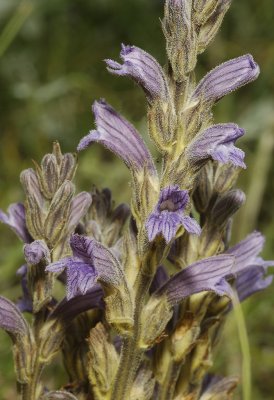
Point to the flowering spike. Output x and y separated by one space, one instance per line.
226 78
168 215
143 68
217 143
119 136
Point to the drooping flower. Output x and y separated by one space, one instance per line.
142 68
119 136
209 274
226 78
168 215
251 270
16 220
217 142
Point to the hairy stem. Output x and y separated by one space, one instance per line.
131 353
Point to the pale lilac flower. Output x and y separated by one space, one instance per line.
226 78
143 68
209 274
168 215
119 136
90 262
217 142
16 220
25 302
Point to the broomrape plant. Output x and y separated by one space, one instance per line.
148 286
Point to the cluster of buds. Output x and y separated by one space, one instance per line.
148 286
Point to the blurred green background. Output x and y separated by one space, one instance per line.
51 70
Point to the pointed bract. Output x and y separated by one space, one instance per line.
217 142
168 216
226 78
119 136
142 68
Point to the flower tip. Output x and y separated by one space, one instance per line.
126 49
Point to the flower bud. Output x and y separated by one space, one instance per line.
181 40
154 319
57 218
103 361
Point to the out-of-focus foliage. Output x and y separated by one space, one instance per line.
51 70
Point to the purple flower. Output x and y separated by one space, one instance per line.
210 274
217 142
81 275
36 252
226 78
168 215
144 69
16 219
253 279
250 268
91 261
119 136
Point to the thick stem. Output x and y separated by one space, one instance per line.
131 353
32 390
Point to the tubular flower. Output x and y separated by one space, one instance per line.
142 68
217 143
168 215
119 136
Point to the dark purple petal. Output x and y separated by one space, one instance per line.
25 302
251 280
143 68
16 219
11 319
119 136
217 142
227 77
246 251
79 207
159 279
59 266
36 252
168 216
209 274
66 310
